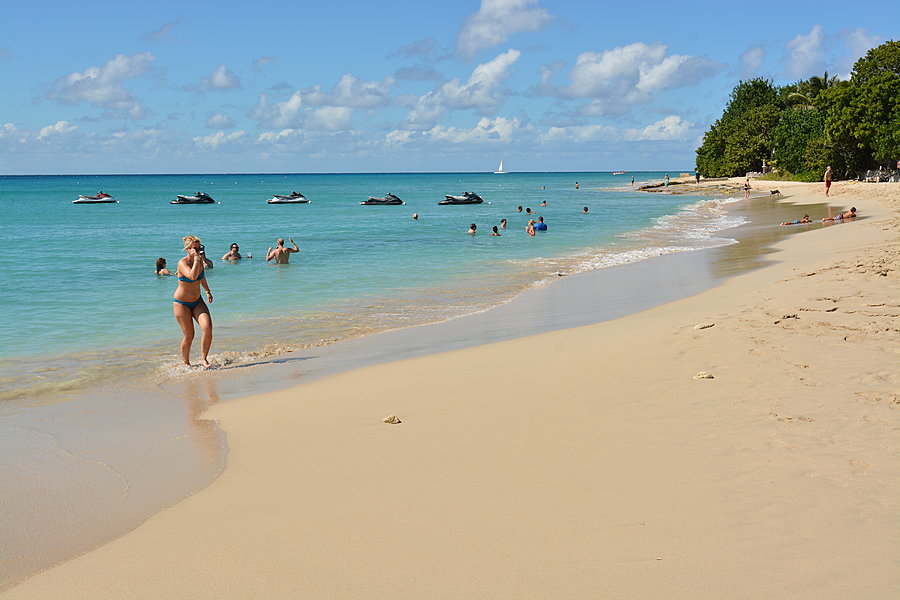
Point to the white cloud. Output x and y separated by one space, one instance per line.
480 92
104 86
277 137
805 54
329 118
751 61
262 61
495 21
219 138
672 127
349 92
7 130
352 92
580 134
219 121
57 129
856 43
220 79
619 78
498 130
282 114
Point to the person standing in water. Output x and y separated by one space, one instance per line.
188 301
280 254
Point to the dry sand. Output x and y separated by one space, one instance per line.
584 463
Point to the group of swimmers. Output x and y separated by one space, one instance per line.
188 303
850 214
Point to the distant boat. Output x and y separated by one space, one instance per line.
619 172
500 170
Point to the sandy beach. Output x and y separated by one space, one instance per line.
738 443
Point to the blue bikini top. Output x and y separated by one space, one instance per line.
189 280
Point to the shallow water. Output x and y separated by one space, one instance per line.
85 307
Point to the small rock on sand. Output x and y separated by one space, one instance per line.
704 325
703 375
393 420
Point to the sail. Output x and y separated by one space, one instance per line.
500 168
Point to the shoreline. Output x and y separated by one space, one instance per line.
439 425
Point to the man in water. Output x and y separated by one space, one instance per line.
234 253
280 254
540 225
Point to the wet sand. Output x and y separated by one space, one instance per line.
570 461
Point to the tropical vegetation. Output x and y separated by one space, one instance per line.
801 128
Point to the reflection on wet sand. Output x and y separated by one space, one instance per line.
98 466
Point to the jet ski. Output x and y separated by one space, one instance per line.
292 198
387 199
100 198
466 198
199 198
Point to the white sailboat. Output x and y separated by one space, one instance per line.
500 170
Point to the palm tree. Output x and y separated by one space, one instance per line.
809 89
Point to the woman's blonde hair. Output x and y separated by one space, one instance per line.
189 240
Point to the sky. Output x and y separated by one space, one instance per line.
394 85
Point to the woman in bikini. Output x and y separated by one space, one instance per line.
188 301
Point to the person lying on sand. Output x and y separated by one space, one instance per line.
850 214
805 219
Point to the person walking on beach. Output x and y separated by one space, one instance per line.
697 176
280 254
667 180
747 189
188 301
827 180
632 181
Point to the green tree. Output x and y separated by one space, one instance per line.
797 130
877 61
741 139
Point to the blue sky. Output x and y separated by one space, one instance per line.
344 86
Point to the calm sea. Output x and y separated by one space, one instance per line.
82 305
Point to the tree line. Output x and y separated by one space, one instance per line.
801 128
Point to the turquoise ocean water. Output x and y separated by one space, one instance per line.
82 306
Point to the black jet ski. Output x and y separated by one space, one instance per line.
466 198
292 198
388 199
199 198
